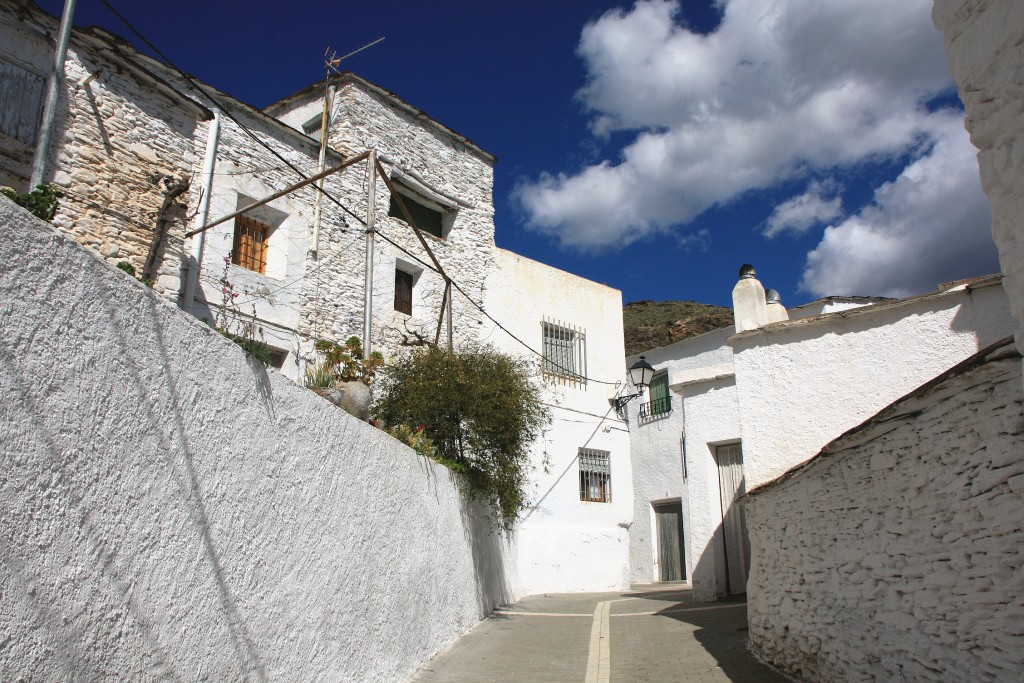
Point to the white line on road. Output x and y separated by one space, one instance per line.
599 659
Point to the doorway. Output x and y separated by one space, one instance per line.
734 522
671 558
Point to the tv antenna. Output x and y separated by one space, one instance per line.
331 63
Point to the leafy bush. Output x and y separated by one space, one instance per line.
41 201
344 363
481 410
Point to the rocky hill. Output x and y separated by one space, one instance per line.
650 324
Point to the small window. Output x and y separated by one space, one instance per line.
250 245
427 218
564 351
595 475
21 102
403 291
661 401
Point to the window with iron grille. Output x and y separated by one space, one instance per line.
565 351
250 245
661 401
595 475
403 291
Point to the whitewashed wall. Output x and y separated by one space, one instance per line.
985 45
802 383
172 511
897 553
704 413
565 544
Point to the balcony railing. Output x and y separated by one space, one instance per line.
655 409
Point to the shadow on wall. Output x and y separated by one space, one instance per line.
63 467
489 544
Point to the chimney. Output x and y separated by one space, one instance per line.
775 311
748 301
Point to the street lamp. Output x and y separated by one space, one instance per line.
640 374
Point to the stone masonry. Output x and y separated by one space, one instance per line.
896 554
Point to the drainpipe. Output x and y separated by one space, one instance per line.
371 210
196 262
52 96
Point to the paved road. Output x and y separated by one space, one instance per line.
650 634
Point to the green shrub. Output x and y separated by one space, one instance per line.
481 410
42 201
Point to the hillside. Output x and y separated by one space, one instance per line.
650 324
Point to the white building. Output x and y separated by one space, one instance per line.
128 129
746 407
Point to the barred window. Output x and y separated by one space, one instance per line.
250 245
595 475
565 351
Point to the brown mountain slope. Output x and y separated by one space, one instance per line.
650 324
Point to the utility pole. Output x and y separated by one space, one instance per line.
371 210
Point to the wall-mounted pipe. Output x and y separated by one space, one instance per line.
195 264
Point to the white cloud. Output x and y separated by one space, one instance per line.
931 224
781 88
803 212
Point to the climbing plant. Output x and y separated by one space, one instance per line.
41 201
480 409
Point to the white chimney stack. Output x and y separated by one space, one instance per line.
775 311
748 301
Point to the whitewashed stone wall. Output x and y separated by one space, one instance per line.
409 144
114 141
565 544
172 511
985 46
802 383
897 553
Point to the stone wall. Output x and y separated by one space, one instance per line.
116 140
421 151
896 554
985 45
174 511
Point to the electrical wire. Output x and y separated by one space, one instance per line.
227 112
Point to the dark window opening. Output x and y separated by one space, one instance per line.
403 291
427 219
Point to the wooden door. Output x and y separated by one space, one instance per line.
734 523
669 518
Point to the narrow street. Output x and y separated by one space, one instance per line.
652 633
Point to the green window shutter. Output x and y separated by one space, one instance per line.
661 402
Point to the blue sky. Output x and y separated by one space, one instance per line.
654 146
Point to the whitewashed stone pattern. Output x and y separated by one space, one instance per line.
174 512
985 45
898 553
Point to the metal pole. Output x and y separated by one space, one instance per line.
371 198
318 207
198 244
52 96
